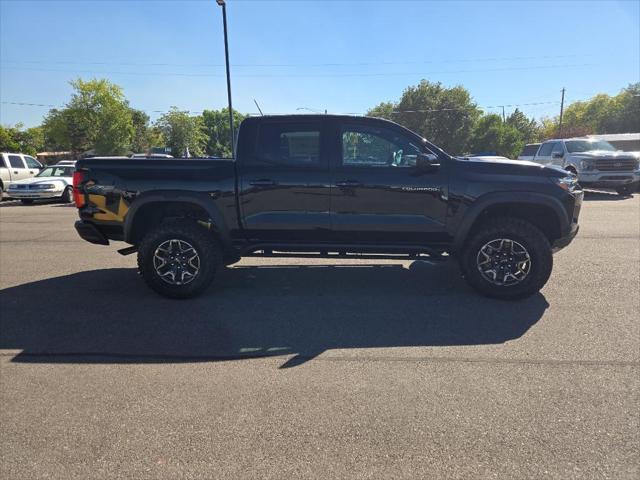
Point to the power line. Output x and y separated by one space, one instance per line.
395 111
313 75
296 64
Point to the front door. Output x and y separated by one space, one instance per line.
284 181
379 195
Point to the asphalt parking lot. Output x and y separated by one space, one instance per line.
322 369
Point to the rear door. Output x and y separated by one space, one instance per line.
284 180
17 167
557 154
378 194
544 153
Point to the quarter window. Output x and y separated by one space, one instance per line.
16 161
377 147
287 144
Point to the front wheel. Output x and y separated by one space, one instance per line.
626 190
178 259
508 258
67 195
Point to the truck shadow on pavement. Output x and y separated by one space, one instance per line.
109 316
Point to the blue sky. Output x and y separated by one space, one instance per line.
341 56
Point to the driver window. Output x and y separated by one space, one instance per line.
557 148
376 147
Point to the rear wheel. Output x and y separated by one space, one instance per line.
178 259
508 258
26 201
67 195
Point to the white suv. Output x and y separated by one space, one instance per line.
16 166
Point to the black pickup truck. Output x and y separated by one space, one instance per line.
334 187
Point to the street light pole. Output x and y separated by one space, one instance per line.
226 58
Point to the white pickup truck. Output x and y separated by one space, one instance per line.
596 163
16 166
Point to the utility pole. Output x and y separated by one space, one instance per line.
222 4
503 117
561 113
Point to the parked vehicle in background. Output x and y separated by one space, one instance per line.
151 155
66 162
626 142
52 182
330 186
529 151
16 166
596 163
488 157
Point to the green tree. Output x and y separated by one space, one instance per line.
144 136
383 110
183 132
216 128
96 118
443 115
491 134
528 127
600 114
18 139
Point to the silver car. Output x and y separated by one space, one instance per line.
52 182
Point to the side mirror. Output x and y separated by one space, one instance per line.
427 161
557 155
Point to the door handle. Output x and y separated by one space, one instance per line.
262 182
15 172
348 183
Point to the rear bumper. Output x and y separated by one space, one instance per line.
90 233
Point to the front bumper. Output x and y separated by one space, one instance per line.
608 179
90 233
562 242
33 195
570 230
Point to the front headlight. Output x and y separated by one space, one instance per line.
568 183
587 164
44 186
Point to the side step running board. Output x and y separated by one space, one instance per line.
128 250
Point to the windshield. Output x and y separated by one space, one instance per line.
577 146
56 172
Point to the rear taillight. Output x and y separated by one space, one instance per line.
79 176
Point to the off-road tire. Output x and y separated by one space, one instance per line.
206 246
26 201
67 195
529 236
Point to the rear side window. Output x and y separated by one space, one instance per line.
545 150
530 150
288 144
16 161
